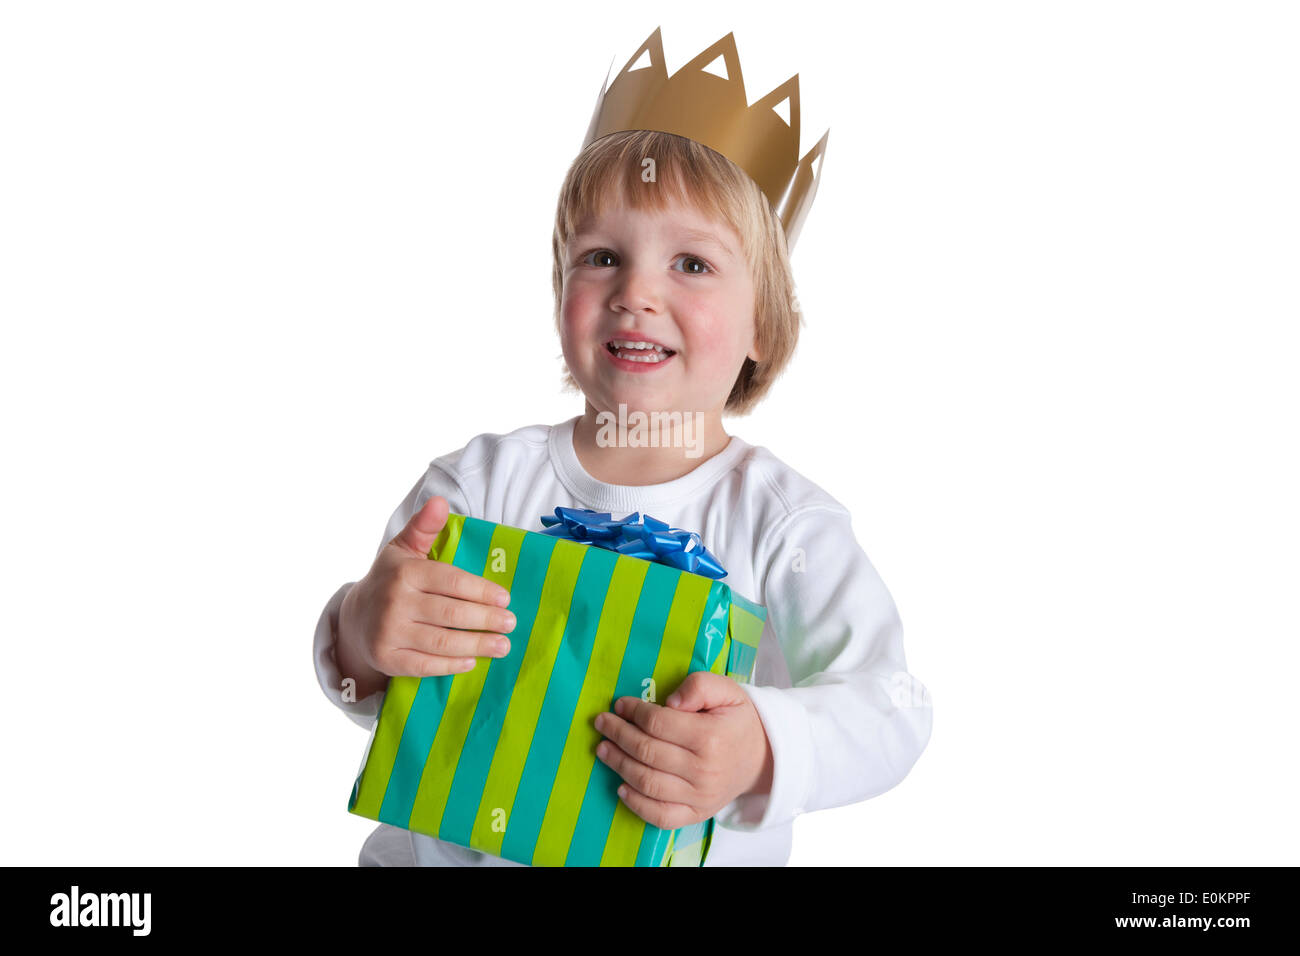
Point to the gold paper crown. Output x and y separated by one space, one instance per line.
713 111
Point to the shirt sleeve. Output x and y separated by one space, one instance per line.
853 722
436 481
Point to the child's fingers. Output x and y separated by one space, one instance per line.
438 577
442 611
412 663
448 642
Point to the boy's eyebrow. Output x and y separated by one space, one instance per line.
690 235
696 235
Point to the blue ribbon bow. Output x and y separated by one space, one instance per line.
638 537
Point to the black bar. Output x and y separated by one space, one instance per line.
912 905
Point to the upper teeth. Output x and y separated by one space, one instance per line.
622 344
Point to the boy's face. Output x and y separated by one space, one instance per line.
633 275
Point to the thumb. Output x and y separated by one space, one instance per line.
422 530
703 690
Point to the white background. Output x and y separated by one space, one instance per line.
255 259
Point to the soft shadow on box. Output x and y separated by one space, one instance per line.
502 758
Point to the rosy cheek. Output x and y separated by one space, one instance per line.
577 308
571 319
710 337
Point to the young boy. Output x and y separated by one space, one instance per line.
673 294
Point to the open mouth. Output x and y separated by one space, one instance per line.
638 351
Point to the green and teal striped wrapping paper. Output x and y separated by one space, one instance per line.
502 758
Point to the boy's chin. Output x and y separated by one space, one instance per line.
638 393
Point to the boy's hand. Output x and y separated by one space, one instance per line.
685 762
413 616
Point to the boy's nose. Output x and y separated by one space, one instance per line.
636 292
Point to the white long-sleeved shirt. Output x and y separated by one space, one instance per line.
844 720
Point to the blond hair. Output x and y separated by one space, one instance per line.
691 174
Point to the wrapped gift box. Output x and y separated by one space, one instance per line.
502 758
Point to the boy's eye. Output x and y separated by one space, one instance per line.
604 258
703 266
598 254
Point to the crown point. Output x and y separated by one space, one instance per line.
782 110
717 68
